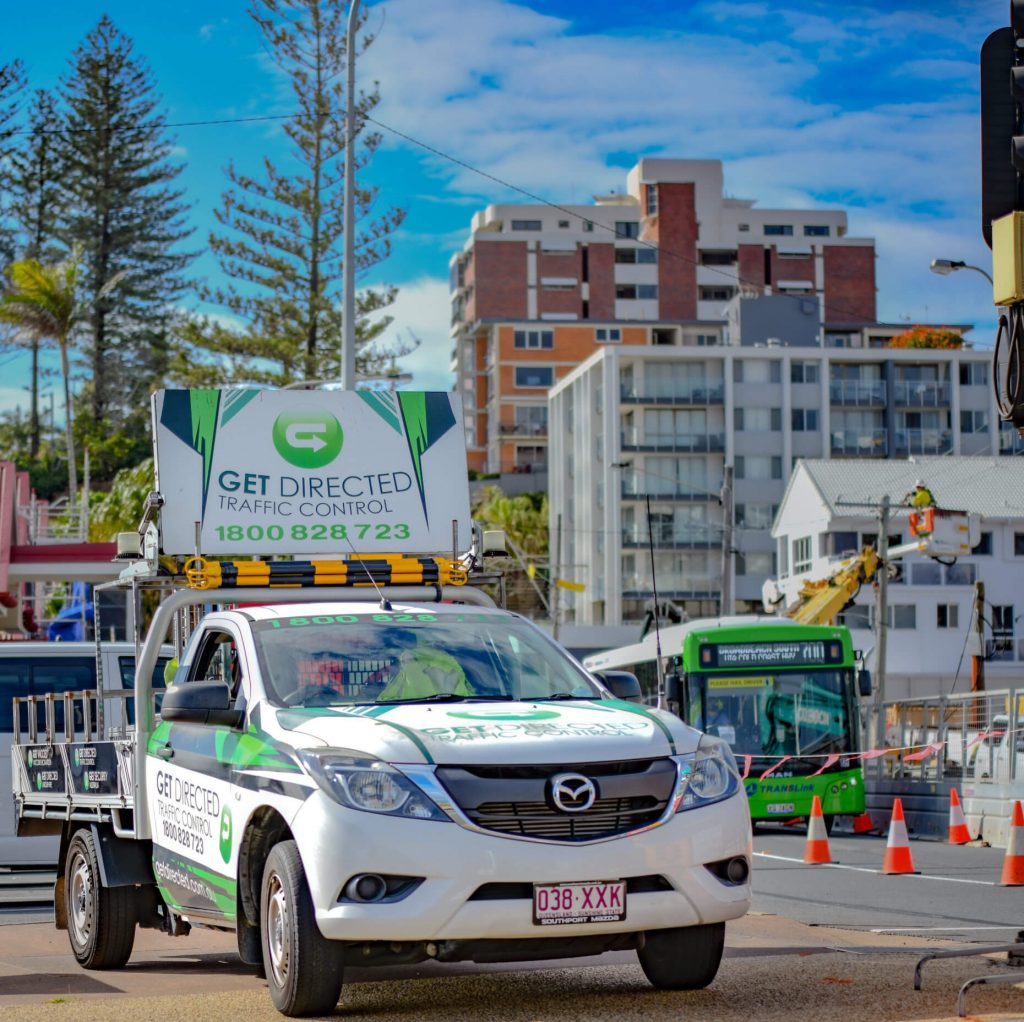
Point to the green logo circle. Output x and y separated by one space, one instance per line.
506 715
225 834
307 439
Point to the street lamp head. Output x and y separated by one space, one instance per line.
944 267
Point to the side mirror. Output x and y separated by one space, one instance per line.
200 702
864 683
622 685
674 688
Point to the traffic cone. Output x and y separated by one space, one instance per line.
897 848
1013 864
817 852
863 824
958 832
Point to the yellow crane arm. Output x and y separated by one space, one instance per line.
823 599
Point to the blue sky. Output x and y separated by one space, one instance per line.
868 106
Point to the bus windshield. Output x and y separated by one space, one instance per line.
775 713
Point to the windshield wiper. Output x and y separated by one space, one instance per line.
561 695
446 697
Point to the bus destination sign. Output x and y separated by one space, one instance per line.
771 654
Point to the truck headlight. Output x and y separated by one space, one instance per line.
357 781
708 775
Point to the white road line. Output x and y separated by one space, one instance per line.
938 929
864 869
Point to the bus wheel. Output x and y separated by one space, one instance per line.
684 958
101 920
304 969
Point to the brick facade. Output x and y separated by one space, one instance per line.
849 284
675 230
500 281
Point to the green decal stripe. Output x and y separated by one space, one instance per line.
412 736
384 405
642 711
235 401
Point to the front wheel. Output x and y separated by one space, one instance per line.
304 969
101 920
684 958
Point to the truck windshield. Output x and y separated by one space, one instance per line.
769 713
337 659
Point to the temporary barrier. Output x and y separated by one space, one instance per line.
817 851
897 850
958 832
863 824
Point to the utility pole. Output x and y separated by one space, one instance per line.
726 606
555 576
348 316
881 613
978 660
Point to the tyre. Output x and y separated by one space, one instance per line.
684 958
101 920
304 969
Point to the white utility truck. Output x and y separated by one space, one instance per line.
373 764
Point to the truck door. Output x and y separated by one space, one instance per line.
189 772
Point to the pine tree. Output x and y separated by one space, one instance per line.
282 240
124 212
36 203
12 84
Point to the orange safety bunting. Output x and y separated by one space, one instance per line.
897 849
817 852
958 832
1013 864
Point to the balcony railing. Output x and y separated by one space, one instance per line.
921 393
646 440
531 429
668 538
672 585
1010 442
638 487
653 394
858 393
860 443
923 441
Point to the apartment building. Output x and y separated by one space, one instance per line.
538 289
659 422
930 604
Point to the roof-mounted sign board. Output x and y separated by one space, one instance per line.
310 472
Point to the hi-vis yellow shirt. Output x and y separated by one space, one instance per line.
424 672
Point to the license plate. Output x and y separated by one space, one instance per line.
556 904
781 808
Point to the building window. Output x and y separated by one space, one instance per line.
756 370
526 225
652 200
625 291
759 563
534 376
532 419
588 226
563 223
758 420
534 338
627 228
926 573
804 372
647 290
743 228
636 255
778 230
716 294
755 516
801 555
984 547
855 617
712 258
974 422
903 615
805 420
608 335
974 374
961 574
947 615
816 230
758 466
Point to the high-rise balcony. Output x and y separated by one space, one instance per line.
672 585
921 394
636 439
923 441
858 393
860 443
659 393
530 429
639 487
667 537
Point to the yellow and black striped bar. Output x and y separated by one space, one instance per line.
382 570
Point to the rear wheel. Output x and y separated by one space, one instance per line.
101 920
304 969
684 958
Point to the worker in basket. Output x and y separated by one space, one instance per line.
922 497
422 671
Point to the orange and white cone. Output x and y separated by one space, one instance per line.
863 824
897 849
958 832
1013 864
816 852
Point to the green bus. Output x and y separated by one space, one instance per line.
782 694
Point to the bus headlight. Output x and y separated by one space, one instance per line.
709 775
357 781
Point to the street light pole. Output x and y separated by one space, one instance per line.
944 267
348 336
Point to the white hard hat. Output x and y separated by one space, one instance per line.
920 482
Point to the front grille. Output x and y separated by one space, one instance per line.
516 800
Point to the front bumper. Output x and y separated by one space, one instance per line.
336 843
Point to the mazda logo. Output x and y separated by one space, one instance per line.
573 793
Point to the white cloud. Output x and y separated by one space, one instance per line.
423 311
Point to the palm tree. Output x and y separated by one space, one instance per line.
43 301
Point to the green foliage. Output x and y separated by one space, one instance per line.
120 510
281 238
524 519
12 83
